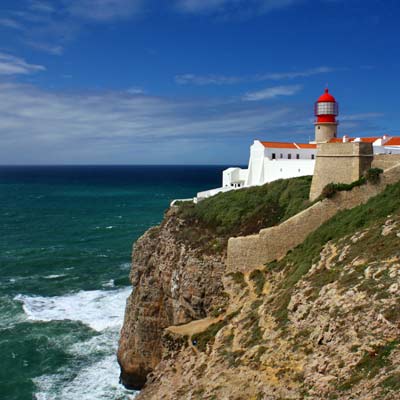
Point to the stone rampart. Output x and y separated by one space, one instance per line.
385 161
250 252
340 163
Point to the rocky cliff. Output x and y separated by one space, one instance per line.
321 323
174 284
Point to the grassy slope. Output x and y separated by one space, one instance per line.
299 261
242 212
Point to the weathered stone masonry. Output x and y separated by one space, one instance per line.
340 163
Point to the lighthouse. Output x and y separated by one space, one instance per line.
326 110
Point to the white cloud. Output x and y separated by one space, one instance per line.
361 116
104 10
298 74
272 92
239 7
11 65
135 90
42 6
53 49
202 80
39 126
195 6
10 23
48 25
211 79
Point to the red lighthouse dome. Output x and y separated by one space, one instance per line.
326 109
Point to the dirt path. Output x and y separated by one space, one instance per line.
201 325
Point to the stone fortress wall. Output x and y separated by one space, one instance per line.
385 161
340 163
250 252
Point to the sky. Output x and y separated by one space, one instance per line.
188 81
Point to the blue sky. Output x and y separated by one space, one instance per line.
188 81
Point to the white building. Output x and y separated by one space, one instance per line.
270 161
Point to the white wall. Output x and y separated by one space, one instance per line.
284 169
386 149
234 177
283 154
256 170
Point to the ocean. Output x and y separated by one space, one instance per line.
66 235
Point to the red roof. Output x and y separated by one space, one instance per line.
326 97
394 141
307 145
365 140
370 139
279 145
288 145
338 140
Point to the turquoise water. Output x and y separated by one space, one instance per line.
65 243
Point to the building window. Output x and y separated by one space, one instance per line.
312 157
298 156
281 155
273 156
289 156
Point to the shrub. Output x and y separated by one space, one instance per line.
258 277
373 175
331 188
329 191
238 278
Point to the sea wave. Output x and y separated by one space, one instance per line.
99 309
97 377
96 381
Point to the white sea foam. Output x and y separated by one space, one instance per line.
97 381
98 377
99 309
125 266
54 276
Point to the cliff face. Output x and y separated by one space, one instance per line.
173 284
331 333
321 323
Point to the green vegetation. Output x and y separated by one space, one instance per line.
372 176
251 324
258 277
233 357
370 365
246 211
391 383
298 262
238 278
392 314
